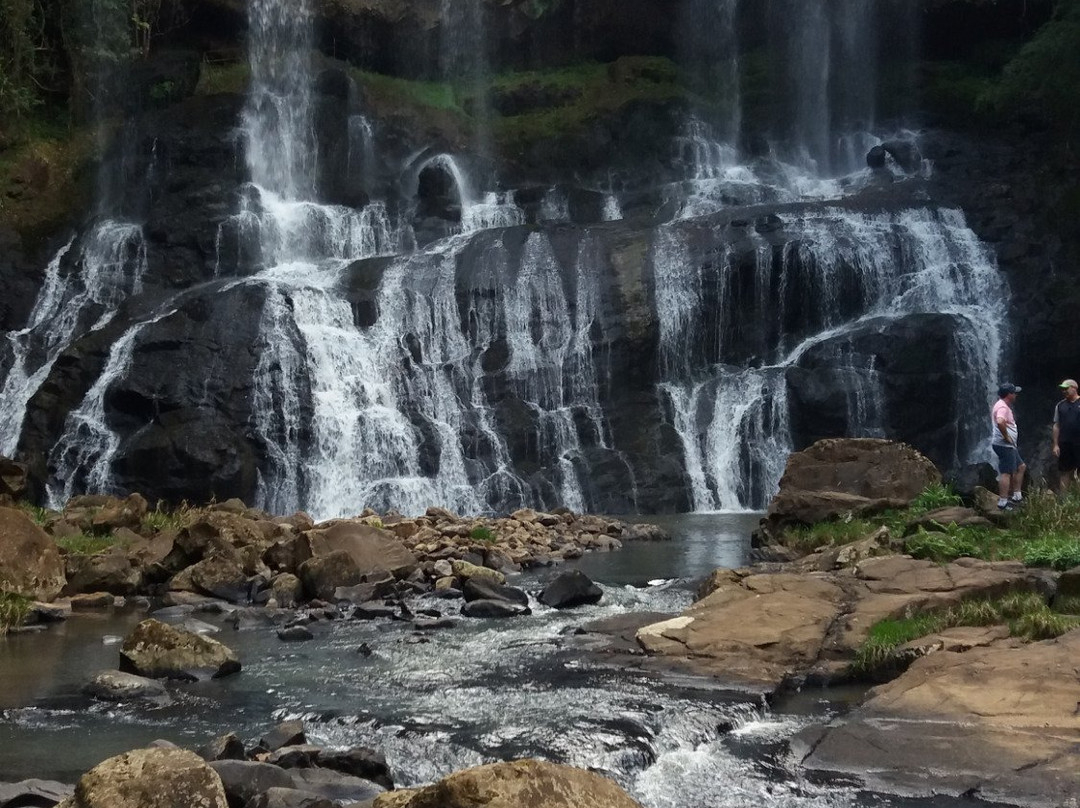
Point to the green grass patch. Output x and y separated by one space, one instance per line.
162 518
1026 614
482 533
13 610
86 544
432 94
806 539
36 512
934 496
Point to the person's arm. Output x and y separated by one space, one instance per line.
1057 449
1003 427
1055 433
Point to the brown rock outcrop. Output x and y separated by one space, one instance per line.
373 549
30 563
515 784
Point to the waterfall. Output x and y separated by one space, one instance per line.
82 459
463 61
72 302
278 117
845 273
710 54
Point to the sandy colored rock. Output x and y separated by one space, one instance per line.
157 650
150 778
515 784
373 549
465 570
30 563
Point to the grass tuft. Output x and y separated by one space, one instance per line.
86 543
13 610
482 533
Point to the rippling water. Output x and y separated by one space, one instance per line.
442 700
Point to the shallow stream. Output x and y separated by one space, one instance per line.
442 700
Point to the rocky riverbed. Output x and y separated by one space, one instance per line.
972 710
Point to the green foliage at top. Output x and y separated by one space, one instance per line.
1026 613
1043 80
432 94
13 609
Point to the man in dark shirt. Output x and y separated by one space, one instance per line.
1067 434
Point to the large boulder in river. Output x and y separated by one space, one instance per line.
838 476
570 589
149 778
156 649
30 563
110 571
514 784
373 549
999 723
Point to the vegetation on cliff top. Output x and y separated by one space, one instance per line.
1044 532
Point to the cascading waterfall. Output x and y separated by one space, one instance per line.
830 51
109 268
82 458
278 118
855 270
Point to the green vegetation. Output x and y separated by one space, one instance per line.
1026 614
223 77
13 610
162 518
86 543
1045 532
482 533
558 102
36 512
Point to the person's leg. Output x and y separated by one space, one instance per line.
1004 458
1018 482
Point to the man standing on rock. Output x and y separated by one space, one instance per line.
1066 434
1011 466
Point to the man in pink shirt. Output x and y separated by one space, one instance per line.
1011 466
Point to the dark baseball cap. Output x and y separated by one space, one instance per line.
1007 388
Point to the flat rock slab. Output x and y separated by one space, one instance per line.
760 631
999 722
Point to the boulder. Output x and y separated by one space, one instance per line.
360 761
120 513
149 778
224 747
295 634
119 686
244 780
287 733
840 476
110 571
34 793
155 649
335 785
570 589
480 589
324 575
372 549
467 571
514 784
221 575
30 563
